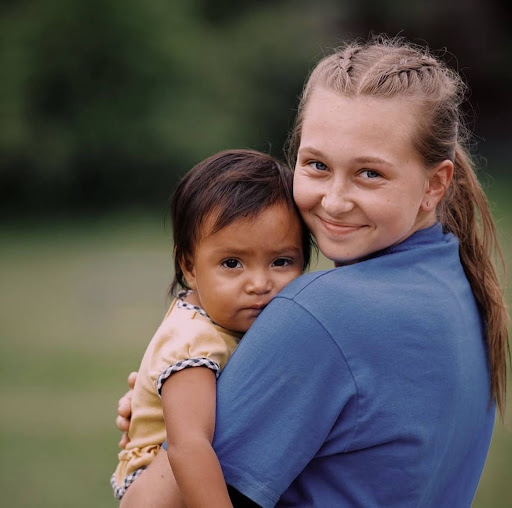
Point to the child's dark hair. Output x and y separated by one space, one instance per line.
234 184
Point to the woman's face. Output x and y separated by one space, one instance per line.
359 183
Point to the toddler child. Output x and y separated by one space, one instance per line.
238 240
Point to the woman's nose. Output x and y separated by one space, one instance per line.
337 200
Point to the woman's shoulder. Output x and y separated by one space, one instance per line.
346 280
304 281
397 280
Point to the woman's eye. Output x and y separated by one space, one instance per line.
232 263
369 173
282 262
320 166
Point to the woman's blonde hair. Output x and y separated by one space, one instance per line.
391 68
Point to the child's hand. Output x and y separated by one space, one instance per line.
124 411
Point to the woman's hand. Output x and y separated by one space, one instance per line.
124 411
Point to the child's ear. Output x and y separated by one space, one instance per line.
438 182
189 271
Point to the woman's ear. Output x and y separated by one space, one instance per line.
439 180
189 271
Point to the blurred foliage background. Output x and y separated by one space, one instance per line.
103 106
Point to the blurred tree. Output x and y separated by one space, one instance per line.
106 103
473 37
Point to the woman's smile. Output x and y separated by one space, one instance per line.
359 183
339 229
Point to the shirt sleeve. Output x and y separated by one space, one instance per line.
277 401
198 344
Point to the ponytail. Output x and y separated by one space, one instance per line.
465 213
392 68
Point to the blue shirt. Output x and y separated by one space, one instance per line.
366 385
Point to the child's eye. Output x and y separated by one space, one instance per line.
320 166
282 262
369 173
231 263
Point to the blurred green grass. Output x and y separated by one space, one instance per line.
79 300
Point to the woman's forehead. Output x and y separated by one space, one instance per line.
362 126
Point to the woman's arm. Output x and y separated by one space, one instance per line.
278 399
156 488
188 401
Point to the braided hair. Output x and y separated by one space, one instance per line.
390 68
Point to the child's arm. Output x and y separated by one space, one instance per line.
188 401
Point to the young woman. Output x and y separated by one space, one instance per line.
375 383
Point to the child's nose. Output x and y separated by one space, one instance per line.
259 283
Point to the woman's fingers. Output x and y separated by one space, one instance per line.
124 411
123 424
124 440
131 379
124 407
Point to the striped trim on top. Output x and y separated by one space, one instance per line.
119 490
185 364
182 304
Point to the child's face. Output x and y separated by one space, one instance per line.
236 271
359 182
